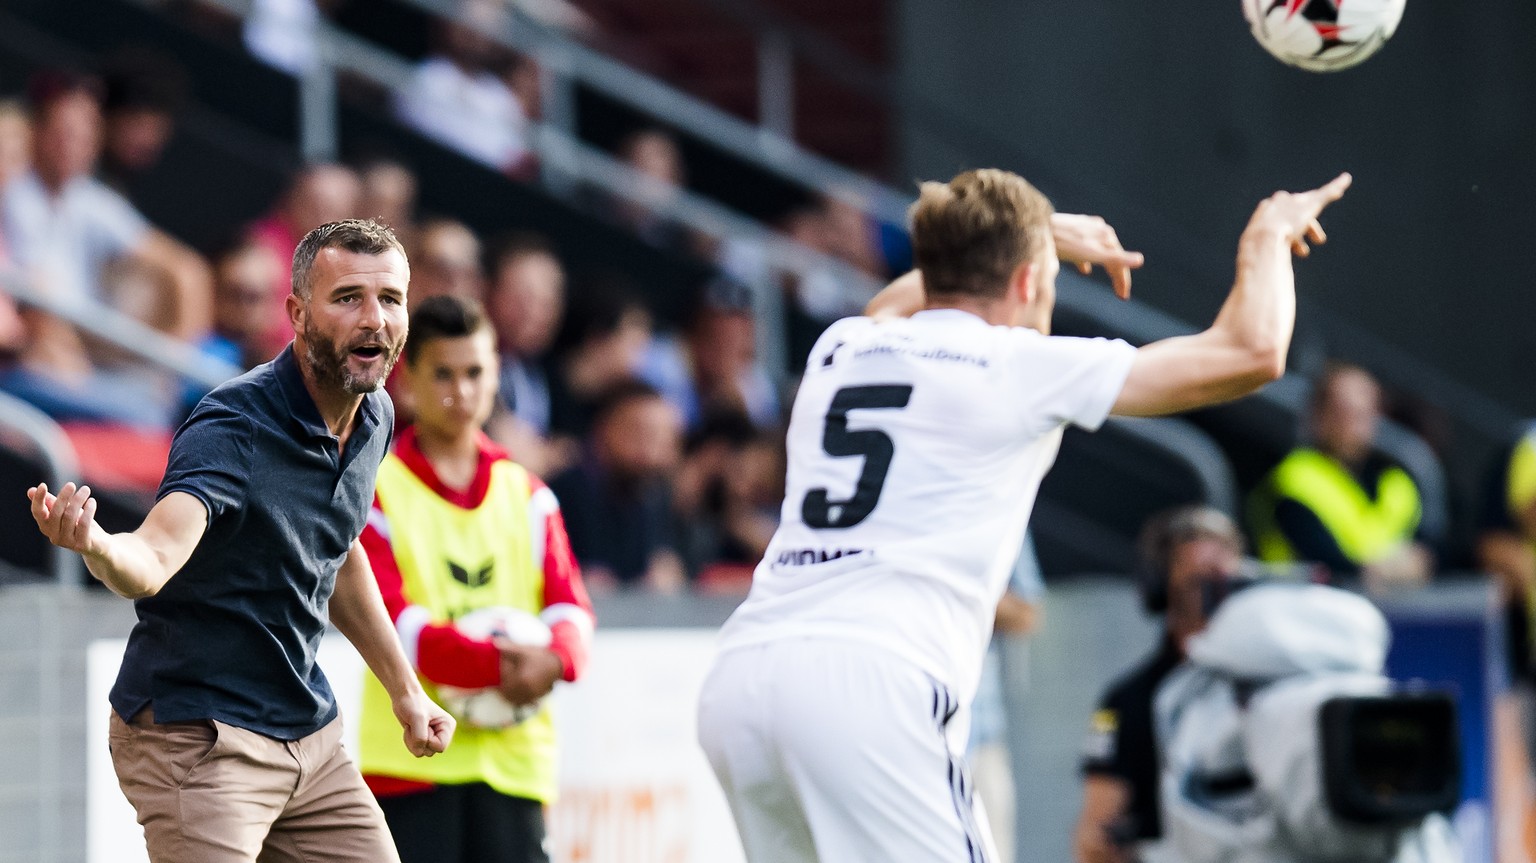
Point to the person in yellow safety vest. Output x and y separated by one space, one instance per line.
1506 544
458 526
1338 502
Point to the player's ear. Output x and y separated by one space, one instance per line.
1025 282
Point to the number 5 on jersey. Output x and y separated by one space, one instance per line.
818 509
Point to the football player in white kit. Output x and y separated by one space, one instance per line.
835 714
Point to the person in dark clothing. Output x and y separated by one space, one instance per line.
1185 557
618 501
225 733
1506 529
601 343
1340 503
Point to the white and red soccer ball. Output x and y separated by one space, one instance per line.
485 708
1323 35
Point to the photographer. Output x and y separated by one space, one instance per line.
1185 556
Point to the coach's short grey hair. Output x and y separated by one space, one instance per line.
360 236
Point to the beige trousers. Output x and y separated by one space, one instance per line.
207 792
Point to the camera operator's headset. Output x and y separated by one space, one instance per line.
1168 530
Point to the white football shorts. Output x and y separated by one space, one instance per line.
839 752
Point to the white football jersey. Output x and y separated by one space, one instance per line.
916 447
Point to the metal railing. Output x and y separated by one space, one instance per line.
124 332
1185 443
568 163
60 465
121 331
570 62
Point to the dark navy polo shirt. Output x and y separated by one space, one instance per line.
233 635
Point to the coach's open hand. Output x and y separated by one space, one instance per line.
68 520
1086 241
428 728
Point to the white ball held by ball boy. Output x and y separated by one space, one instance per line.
485 708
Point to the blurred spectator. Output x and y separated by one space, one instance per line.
726 495
1338 502
242 309
558 14
1185 557
606 333
1506 544
13 331
76 379
527 303
388 195
145 90
835 228
15 140
446 262
242 293
318 194
617 501
15 159
714 365
282 33
63 226
854 237
523 77
815 296
992 763
458 98
139 291
653 154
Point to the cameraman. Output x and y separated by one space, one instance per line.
1185 557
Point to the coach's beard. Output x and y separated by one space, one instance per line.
331 365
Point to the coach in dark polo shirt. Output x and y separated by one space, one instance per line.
224 730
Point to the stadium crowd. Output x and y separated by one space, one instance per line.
674 435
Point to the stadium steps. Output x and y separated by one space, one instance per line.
705 51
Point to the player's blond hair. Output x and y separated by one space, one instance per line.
970 234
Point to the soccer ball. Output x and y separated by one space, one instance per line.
1323 35
485 708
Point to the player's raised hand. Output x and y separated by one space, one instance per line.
68 520
1293 215
1086 241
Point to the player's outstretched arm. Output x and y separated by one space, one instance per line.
1246 347
1081 241
357 609
134 564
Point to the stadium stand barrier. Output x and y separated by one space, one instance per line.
59 463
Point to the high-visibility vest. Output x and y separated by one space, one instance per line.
494 545
1365 526
1519 494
